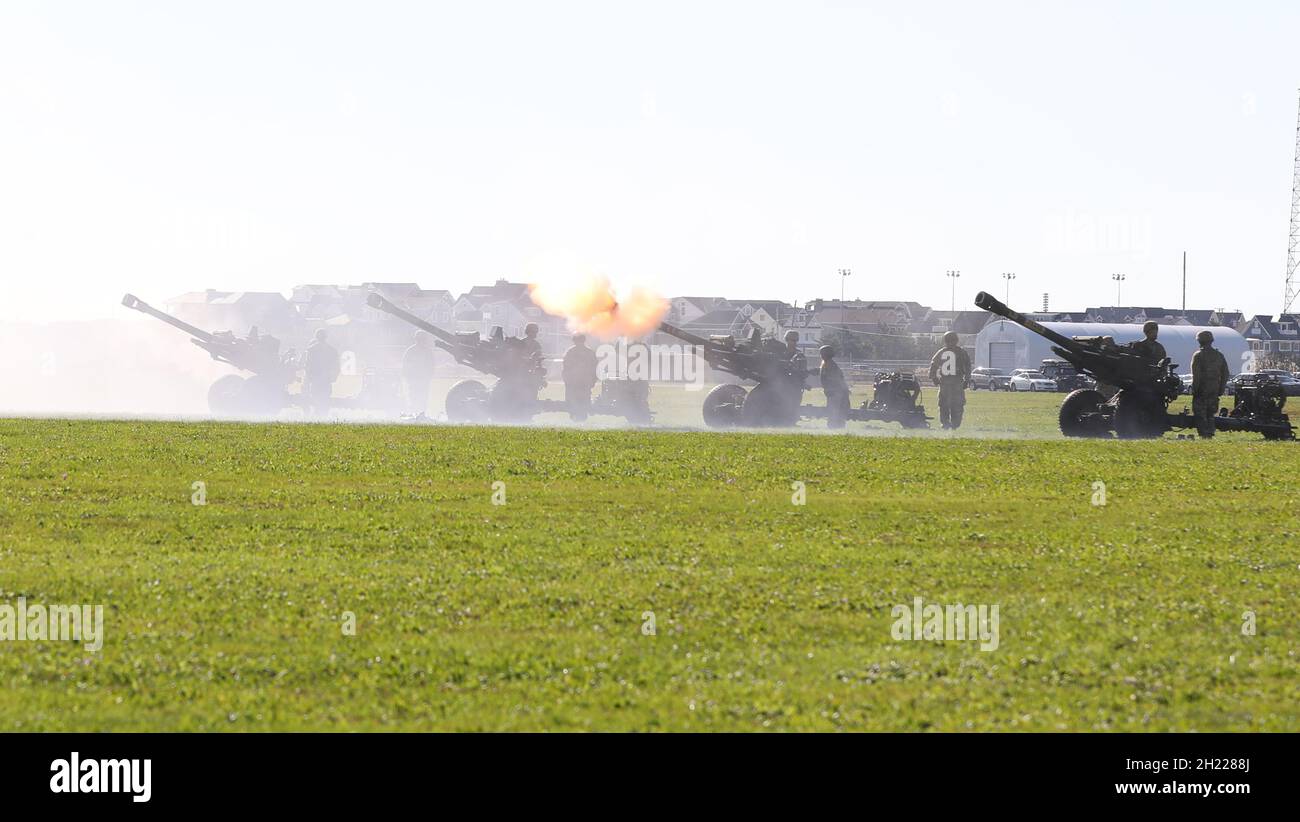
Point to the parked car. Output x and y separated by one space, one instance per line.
1066 376
990 379
1027 379
1187 383
1290 384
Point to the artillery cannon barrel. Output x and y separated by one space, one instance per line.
992 304
133 302
684 336
377 301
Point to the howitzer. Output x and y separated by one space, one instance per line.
521 375
500 358
1144 388
781 377
265 392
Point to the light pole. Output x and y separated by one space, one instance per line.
1119 284
953 275
1008 278
844 273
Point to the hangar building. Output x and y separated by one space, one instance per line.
1003 344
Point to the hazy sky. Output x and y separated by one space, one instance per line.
737 149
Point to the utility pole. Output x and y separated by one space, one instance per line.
953 275
1119 285
844 274
1291 286
1008 278
1184 283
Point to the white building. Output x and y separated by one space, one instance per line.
1003 344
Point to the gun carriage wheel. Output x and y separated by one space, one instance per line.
467 402
1080 414
224 394
722 406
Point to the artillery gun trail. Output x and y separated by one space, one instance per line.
1139 408
520 378
781 379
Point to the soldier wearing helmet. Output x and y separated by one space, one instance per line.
835 387
580 375
321 367
531 345
1209 377
798 362
950 370
1147 346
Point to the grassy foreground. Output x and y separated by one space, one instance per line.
532 614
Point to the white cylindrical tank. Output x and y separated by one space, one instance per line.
1003 344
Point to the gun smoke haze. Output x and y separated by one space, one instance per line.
104 367
589 301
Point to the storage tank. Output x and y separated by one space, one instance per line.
1003 344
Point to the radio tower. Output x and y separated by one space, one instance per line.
1291 285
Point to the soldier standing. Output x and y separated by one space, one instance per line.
950 369
417 373
322 369
836 388
798 365
1148 347
797 360
1209 377
579 374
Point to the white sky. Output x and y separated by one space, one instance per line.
737 149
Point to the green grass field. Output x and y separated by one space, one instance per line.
529 615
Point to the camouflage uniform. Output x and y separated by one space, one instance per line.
837 393
579 374
1148 347
531 345
321 367
950 368
1209 375
1151 349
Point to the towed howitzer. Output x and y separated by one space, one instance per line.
782 379
265 392
1144 388
521 376
777 398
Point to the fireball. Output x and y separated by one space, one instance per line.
589 303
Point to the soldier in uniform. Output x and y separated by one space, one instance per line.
1148 347
417 372
532 347
798 364
950 369
579 374
836 388
797 360
1209 376
322 369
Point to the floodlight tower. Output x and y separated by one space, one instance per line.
1291 285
